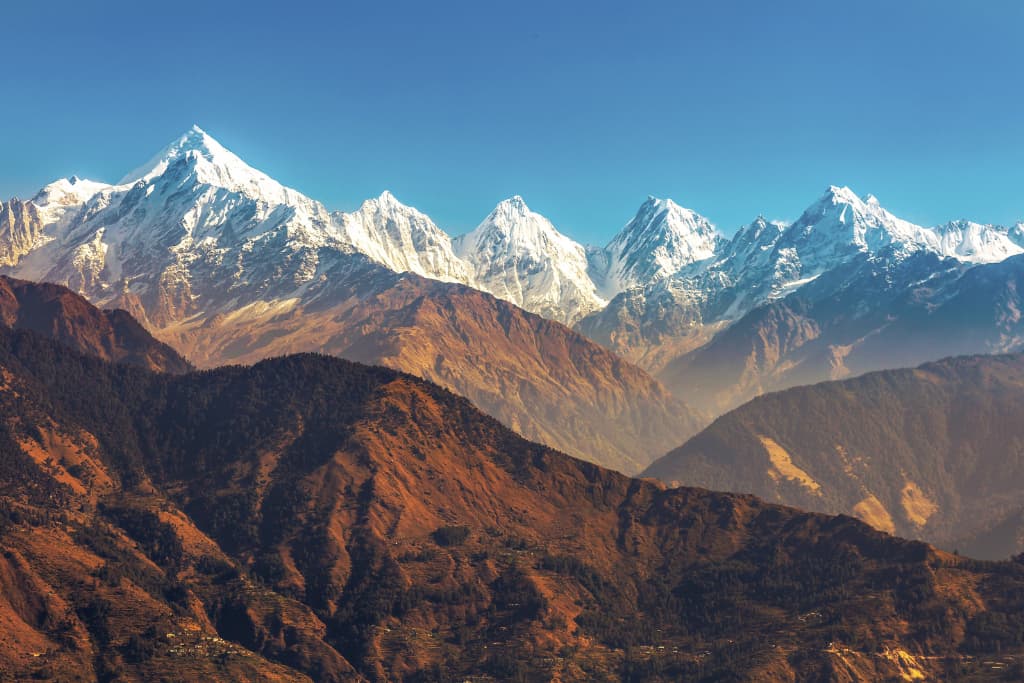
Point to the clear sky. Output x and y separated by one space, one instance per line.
584 108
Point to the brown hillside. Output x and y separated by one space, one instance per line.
935 453
312 517
536 376
59 314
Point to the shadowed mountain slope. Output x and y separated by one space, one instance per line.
60 314
536 376
935 452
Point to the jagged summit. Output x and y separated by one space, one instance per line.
215 165
841 193
196 203
516 202
518 255
978 242
388 201
514 206
61 197
194 140
402 238
662 238
841 220
68 190
518 228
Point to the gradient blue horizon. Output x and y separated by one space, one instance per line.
733 109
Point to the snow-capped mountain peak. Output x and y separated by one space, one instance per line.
842 194
513 228
514 217
193 141
402 238
513 205
214 165
976 242
841 221
387 198
386 202
68 191
661 239
518 255
753 242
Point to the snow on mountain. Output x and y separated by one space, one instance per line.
766 261
841 220
214 165
841 224
403 239
197 227
1016 234
660 240
63 196
519 256
978 243
752 245
192 228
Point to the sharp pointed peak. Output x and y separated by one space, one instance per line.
387 201
195 143
837 195
214 165
513 217
388 198
762 222
653 200
668 204
195 138
665 208
514 200
513 205
841 193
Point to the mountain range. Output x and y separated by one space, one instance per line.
205 250
309 518
196 235
230 266
845 289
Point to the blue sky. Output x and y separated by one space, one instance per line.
584 108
